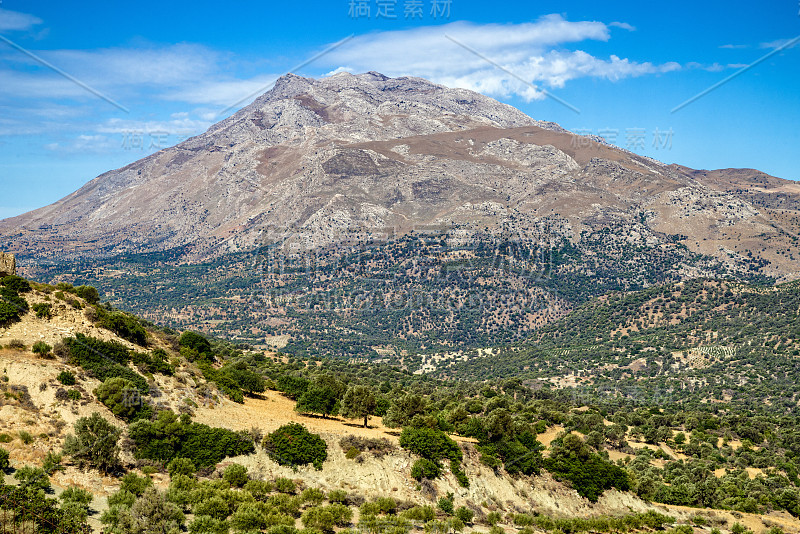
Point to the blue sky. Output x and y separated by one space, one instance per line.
135 77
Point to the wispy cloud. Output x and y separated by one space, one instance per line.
623 25
16 21
777 43
220 92
533 51
735 46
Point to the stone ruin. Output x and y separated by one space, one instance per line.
8 265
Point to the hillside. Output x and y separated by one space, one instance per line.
510 443
358 214
720 343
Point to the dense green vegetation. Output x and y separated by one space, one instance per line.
12 304
701 344
170 436
104 359
424 291
294 445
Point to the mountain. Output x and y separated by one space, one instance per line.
327 207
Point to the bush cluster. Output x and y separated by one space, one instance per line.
294 446
104 359
170 436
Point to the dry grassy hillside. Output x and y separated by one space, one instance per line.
36 414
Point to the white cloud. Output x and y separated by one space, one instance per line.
176 126
222 92
16 21
532 51
735 46
714 67
83 144
623 25
777 43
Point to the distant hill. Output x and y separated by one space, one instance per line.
699 342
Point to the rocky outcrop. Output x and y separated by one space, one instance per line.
8 265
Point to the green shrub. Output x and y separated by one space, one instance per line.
352 453
52 462
459 473
342 515
135 484
4 465
492 518
43 310
430 443
124 325
74 395
215 507
325 518
123 398
224 382
424 468
312 496
6 438
15 283
285 485
181 466
33 478
155 362
41 348
259 489
77 495
318 518
66 378
208 525
151 513
386 505
74 512
88 293
25 436
589 474
337 496
256 516
294 446
737 528
10 311
419 513
94 443
197 342
285 504
445 504
235 475
369 508
121 498
464 514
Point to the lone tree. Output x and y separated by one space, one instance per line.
321 397
359 401
94 443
